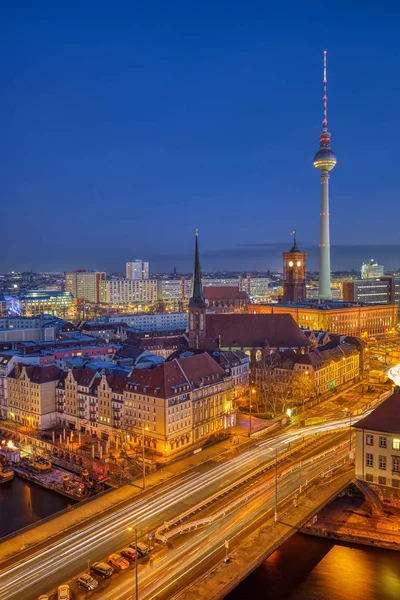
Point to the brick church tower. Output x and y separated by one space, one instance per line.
294 274
197 304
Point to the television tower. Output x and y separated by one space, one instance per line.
324 161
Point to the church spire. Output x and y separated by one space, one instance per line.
197 299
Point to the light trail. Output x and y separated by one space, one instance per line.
91 542
394 374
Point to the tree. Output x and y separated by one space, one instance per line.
279 384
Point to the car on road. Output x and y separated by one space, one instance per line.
63 592
44 597
103 569
129 553
88 582
118 561
143 549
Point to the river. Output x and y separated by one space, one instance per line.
307 568
23 503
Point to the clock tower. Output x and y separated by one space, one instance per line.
294 274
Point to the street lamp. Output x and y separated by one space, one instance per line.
253 391
350 428
144 466
136 564
276 480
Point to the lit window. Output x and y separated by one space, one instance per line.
396 444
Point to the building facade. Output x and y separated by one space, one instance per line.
37 302
32 395
369 291
137 269
84 285
130 291
173 406
338 317
371 270
154 322
377 457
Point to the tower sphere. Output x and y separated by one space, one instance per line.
325 159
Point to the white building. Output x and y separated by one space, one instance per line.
127 291
371 270
378 448
137 269
157 322
176 289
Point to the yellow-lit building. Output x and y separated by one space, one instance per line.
344 318
36 302
182 402
32 395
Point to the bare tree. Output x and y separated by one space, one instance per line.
278 383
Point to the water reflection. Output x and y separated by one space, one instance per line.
307 568
23 503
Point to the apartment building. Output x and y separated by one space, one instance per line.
130 291
174 405
32 395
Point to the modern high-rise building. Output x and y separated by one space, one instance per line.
324 161
84 285
137 269
371 270
369 291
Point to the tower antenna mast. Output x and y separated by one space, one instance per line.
325 120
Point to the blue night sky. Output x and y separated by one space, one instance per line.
124 125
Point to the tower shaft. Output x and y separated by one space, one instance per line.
324 246
324 161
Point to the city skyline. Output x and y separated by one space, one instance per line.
150 134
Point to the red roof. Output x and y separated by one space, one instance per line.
223 292
39 374
385 418
254 331
169 378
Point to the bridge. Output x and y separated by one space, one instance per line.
291 475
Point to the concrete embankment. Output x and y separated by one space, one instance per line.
350 520
261 543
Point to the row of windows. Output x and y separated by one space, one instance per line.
369 462
369 440
382 480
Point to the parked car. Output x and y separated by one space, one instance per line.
63 592
118 561
103 569
129 553
88 582
143 549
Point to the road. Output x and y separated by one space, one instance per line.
176 568
62 560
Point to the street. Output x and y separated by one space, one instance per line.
44 570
